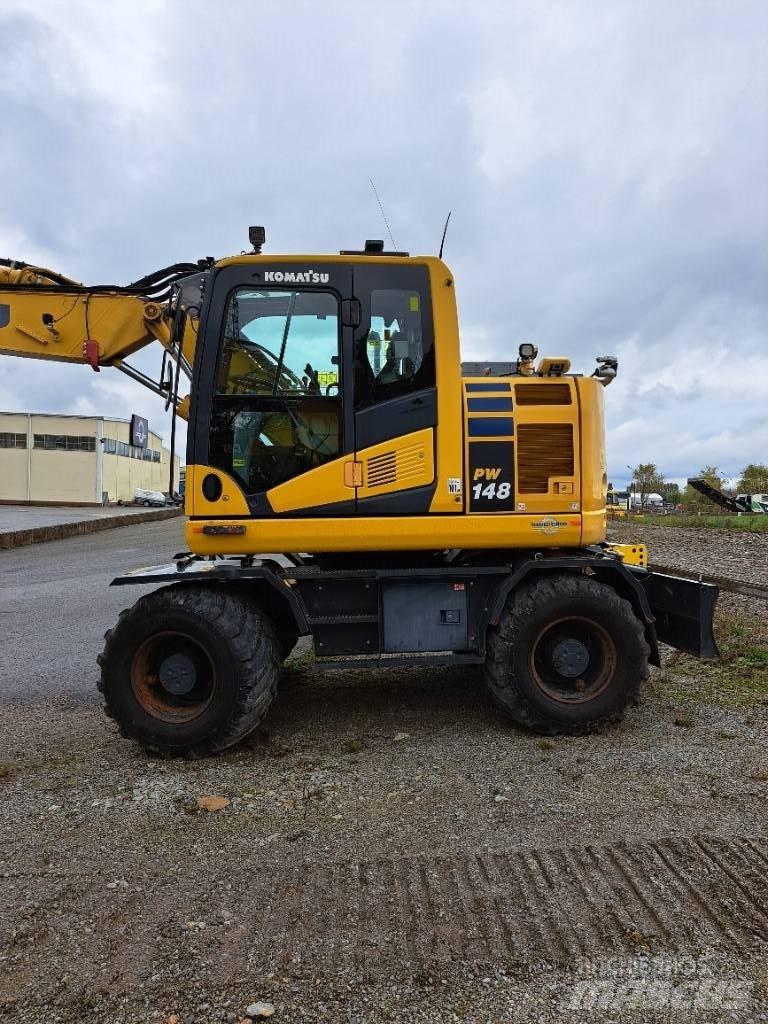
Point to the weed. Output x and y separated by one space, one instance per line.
642 940
299 662
739 678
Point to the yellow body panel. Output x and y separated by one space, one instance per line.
232 497
323 485
387 533
563 492
592 465
397 465
450 431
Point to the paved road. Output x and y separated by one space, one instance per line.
56 603
27 517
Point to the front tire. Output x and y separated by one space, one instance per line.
189 670
569 654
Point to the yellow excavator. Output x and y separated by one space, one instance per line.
427 511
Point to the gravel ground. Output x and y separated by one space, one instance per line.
736 554
388 848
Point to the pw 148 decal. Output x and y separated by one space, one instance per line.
491 476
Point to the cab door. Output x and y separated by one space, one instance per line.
395 398
273 409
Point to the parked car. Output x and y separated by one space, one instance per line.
150 499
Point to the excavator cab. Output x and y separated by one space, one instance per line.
301 366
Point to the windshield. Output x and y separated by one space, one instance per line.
280 343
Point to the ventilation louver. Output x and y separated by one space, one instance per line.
381 470
544 450
543 394
397 466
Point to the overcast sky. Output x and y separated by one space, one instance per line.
606 164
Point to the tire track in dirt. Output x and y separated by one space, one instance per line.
416 912
395 917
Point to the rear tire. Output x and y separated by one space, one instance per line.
189 670
568 655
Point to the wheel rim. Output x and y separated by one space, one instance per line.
573 660
173 677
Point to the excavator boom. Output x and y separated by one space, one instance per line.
44 315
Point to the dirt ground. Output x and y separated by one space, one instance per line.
735 554
392 849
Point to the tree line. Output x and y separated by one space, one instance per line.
647 479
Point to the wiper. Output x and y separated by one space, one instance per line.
288 319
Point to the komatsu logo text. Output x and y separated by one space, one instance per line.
295 277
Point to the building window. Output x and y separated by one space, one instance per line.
65 443
128 451
13 440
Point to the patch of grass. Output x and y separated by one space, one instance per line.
752 524
352 746
642 941
7 771
299 662
738 679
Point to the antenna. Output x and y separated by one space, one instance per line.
386 222
445 232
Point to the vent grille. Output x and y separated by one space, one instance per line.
396 466
543 394
544 450
381 470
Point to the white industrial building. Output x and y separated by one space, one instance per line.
77 460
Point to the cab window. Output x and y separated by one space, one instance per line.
280 343
277 407
395 356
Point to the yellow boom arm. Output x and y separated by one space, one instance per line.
46 316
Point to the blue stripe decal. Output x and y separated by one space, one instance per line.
501 385
501 426
489 404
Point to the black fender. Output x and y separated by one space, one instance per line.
262 580
676 611
611 571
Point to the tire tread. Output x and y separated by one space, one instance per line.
250 636
502 644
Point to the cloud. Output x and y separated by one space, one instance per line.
605 164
